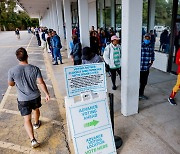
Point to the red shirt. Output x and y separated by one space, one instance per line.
178 61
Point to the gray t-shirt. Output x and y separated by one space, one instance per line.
25 77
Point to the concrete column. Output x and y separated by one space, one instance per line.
48 19
101 13
40 22
51 17
152 8
55 18
92 14
60 18
68 22
131 52
44 20
113 13
84 22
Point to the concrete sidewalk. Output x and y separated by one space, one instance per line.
156 129
51 135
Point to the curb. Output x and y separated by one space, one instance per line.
59 97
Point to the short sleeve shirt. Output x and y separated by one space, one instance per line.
25 77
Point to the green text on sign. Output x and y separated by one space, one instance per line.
92 123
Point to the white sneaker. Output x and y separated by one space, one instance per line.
36 126
34 143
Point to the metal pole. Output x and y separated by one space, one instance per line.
117 139
148 21
111 98
173 24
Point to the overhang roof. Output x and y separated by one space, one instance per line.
35 8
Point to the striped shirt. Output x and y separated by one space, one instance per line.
117 57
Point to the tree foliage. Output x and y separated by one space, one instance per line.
163 13
10 19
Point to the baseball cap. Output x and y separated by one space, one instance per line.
114 37
147 35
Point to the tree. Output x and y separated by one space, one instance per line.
9 19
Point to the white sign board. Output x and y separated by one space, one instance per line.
100 142
90 126
89 117
84 78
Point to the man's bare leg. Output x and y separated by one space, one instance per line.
28 126
36 113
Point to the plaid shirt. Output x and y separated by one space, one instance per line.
147 56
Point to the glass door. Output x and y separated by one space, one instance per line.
176 39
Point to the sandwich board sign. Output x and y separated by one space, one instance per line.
84 78
88 120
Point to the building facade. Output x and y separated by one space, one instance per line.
126 18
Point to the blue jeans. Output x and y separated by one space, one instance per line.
57 53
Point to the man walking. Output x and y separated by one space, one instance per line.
56 43
147 58
24 76
17 33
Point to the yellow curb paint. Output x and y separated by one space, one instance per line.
57 94
23 149
5 97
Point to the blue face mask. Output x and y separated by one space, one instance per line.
146 41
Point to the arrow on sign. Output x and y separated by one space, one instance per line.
92 123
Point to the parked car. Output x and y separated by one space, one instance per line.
144 29
159 28
118 27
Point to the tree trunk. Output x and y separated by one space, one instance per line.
4 28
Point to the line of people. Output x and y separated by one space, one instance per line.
49 38
54 45
111 52
105 44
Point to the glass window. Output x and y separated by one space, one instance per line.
118 15
100 13
163 17
107 13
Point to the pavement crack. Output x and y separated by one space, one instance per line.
65 139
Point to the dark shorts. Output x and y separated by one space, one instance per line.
26 107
